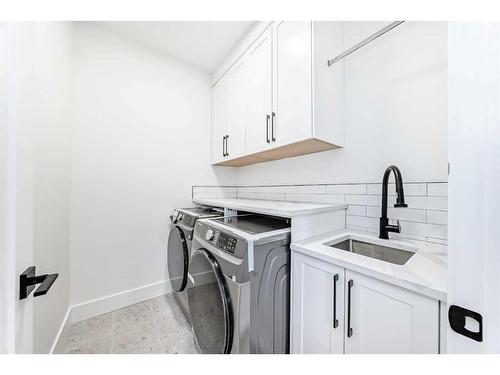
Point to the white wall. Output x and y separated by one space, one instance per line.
141 140
396 113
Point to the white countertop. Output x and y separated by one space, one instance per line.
425 272
269 207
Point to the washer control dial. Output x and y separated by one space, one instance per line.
209 235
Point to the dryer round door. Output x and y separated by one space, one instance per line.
210 304
177 259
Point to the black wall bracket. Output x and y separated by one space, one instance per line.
28 280
457 317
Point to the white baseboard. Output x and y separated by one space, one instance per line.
63 330
116 301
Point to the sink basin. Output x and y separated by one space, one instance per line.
372 250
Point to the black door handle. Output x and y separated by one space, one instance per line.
46 284
224 146
335 320
272 127
349 287
28 280
267 129
457 316
227 145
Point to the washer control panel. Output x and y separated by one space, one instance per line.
226 242
221 240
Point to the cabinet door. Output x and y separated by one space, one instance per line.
387 319
220 118
292 102
259 99
237 110
317 317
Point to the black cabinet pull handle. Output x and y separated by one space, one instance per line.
267 129
335 320
227 145
224 146
272 127
349 287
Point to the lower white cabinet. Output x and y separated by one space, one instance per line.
317 306
384 318
373 316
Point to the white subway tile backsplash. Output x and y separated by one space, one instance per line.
362 221
410 189
437 217
415 189
437 240
310 189
274 196
424 229
428 203
297 197
376 189
355 227
425 219
327 198
404 236
437 189
398 213
250 195
346 189
363 200
356 210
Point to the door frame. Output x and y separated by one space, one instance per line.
16 189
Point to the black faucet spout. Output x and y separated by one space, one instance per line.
385 228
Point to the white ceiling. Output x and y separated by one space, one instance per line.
203 44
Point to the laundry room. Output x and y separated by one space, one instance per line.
249 186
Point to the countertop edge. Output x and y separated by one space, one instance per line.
276 212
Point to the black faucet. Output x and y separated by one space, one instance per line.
385 227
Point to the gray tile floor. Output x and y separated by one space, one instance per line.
153 326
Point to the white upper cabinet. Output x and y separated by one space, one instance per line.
220 119
237 110
228 114
292 95
293 100
258 95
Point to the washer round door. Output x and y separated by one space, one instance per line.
210 304
177 259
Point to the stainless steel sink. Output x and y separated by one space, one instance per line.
385 253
